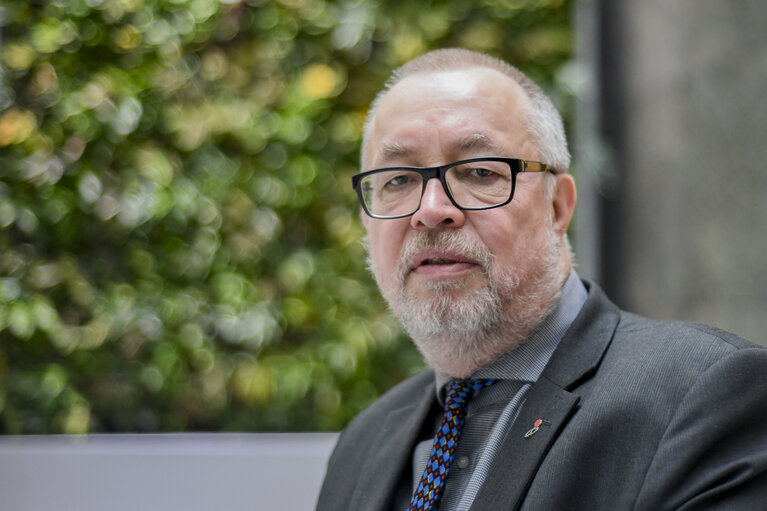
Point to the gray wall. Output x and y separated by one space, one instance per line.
680 104
184 472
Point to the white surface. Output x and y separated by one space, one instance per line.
189 472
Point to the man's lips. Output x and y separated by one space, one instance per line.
440 262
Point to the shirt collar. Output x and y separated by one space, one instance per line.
527 361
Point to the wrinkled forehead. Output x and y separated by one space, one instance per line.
473 108
479 86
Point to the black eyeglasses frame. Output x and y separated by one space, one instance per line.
517 165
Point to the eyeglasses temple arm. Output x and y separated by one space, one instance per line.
536 166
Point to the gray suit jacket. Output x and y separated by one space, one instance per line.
638 415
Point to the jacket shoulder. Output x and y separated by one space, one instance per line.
685 335
405 393
352 452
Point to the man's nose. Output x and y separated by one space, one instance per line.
436 209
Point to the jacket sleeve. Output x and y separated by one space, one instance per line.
713 454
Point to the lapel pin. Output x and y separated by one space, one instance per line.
534 429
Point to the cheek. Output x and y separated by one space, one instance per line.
512 233
385 244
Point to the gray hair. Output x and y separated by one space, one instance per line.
543 122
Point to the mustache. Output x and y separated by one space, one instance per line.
449 241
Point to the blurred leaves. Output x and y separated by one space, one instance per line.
179 243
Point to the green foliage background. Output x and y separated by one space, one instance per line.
179 242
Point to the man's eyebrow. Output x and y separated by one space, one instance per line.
391 152
480 141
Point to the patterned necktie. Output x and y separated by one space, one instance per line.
432 485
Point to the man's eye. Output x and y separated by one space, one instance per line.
398 181
480 172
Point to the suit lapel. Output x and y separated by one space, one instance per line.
585 342
391 451
551 399
519 457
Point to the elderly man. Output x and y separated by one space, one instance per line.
542 395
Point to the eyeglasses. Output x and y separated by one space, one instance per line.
473 184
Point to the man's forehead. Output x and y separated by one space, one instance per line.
458 82
392 151
454 81
468 105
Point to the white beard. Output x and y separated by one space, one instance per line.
457 331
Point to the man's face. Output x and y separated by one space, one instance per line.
451 274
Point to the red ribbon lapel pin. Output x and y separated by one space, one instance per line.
536 427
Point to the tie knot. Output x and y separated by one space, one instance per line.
460 391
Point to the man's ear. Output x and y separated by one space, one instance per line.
563 202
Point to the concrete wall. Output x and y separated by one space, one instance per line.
185 472
682 107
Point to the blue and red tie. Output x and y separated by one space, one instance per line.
429 491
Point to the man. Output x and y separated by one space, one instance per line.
564 401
